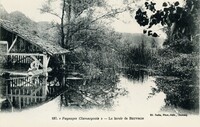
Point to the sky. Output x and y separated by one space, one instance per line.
30 8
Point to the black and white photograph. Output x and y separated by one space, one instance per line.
81 63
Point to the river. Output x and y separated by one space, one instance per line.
137 100
134 96
135 104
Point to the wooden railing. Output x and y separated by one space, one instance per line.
22 59
25 91
23 101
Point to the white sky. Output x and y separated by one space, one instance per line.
31 9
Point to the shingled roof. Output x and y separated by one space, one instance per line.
46 45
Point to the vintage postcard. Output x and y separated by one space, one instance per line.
99 63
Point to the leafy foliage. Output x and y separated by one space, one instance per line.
180 93
171 15
177 63
178 78
92 45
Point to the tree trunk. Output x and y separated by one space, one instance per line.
69 16
62 25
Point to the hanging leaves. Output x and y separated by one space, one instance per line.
169 14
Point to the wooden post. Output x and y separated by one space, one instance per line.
24 101
11 91
15 92
45 65
6 89
35 98
20 100
7 76
63 58
31 96
12 108
28 100
13 43
23 91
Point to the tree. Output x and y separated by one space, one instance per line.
78 16
83 32
180 57
179 22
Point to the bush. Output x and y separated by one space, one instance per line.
179 79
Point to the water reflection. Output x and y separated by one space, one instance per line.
110 86
139 100
96 92
111 90
135 75
180 93
102 91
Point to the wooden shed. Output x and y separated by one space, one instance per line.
24 46
20 46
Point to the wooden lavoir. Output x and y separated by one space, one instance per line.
28 85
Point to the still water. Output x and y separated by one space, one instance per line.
131 91
137 98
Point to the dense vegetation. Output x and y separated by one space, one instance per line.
179 58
